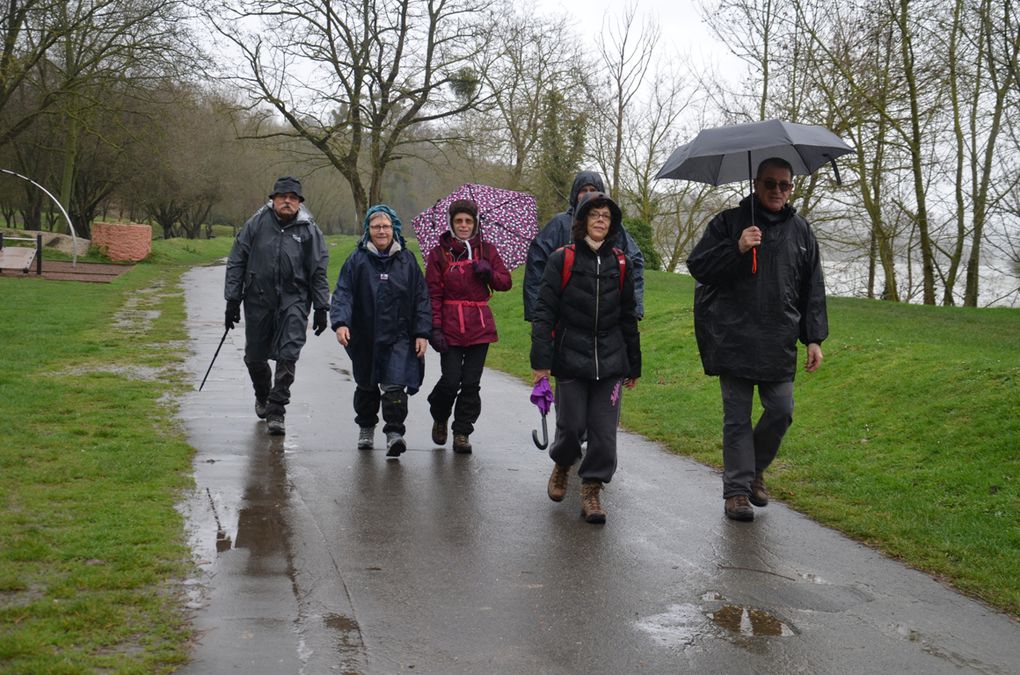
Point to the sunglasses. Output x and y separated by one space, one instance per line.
772 184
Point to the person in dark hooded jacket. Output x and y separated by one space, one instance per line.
380 313
585 334
277 268
760 289
558 232
462 271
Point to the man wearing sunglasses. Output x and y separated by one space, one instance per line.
760 290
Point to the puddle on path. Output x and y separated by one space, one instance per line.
686 624
749 622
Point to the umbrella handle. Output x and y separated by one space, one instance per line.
754 260
544 443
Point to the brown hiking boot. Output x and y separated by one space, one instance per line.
738 508
439 432
591 507
759 495
558 482
461 444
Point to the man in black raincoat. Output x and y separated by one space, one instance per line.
557 233
760 290
277 268
382 316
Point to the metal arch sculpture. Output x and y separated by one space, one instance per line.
74 236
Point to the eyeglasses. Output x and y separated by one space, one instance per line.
772 184
380 228
600 215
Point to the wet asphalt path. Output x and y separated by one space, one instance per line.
315 557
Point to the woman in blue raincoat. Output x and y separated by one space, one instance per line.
381 315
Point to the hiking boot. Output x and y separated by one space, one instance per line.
461 444
738 508
439 432
395 444
366 438
759 495
558 482
274 424
591 507
260 408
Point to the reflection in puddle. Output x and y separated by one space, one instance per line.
749 622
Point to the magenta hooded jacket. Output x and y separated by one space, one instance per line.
460 300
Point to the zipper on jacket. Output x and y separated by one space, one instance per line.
598 282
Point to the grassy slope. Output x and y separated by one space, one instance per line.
908 438
90 543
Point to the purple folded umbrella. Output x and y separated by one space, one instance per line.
542 396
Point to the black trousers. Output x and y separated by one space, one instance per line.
393 398
276 393
458 389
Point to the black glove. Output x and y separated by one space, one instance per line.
483 270
319 321
438 341
233 313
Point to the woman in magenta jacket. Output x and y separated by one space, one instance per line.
462 271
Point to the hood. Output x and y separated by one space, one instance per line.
591 200
580 180
388 210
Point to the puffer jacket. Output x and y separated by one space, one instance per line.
384 302
587 329
460 300
279 270
556 233
747 323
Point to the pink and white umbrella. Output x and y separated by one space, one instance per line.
507 219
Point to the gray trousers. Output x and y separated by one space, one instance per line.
592 407
748 451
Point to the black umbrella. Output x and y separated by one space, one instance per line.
723 154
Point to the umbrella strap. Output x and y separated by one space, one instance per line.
468 303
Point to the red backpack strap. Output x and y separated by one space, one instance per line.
568 265
622 260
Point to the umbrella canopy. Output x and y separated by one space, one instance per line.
730 153
542 396
506 219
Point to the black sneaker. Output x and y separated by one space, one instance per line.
260 408
395 444
274 424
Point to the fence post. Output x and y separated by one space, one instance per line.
38 254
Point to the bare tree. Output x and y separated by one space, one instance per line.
355 79
529 57
626 54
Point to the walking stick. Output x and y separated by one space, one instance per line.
213 359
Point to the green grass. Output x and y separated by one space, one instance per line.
91 549
907 438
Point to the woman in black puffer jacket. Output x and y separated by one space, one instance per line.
585 334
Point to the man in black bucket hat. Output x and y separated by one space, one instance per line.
277 268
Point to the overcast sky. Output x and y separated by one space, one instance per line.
682 30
